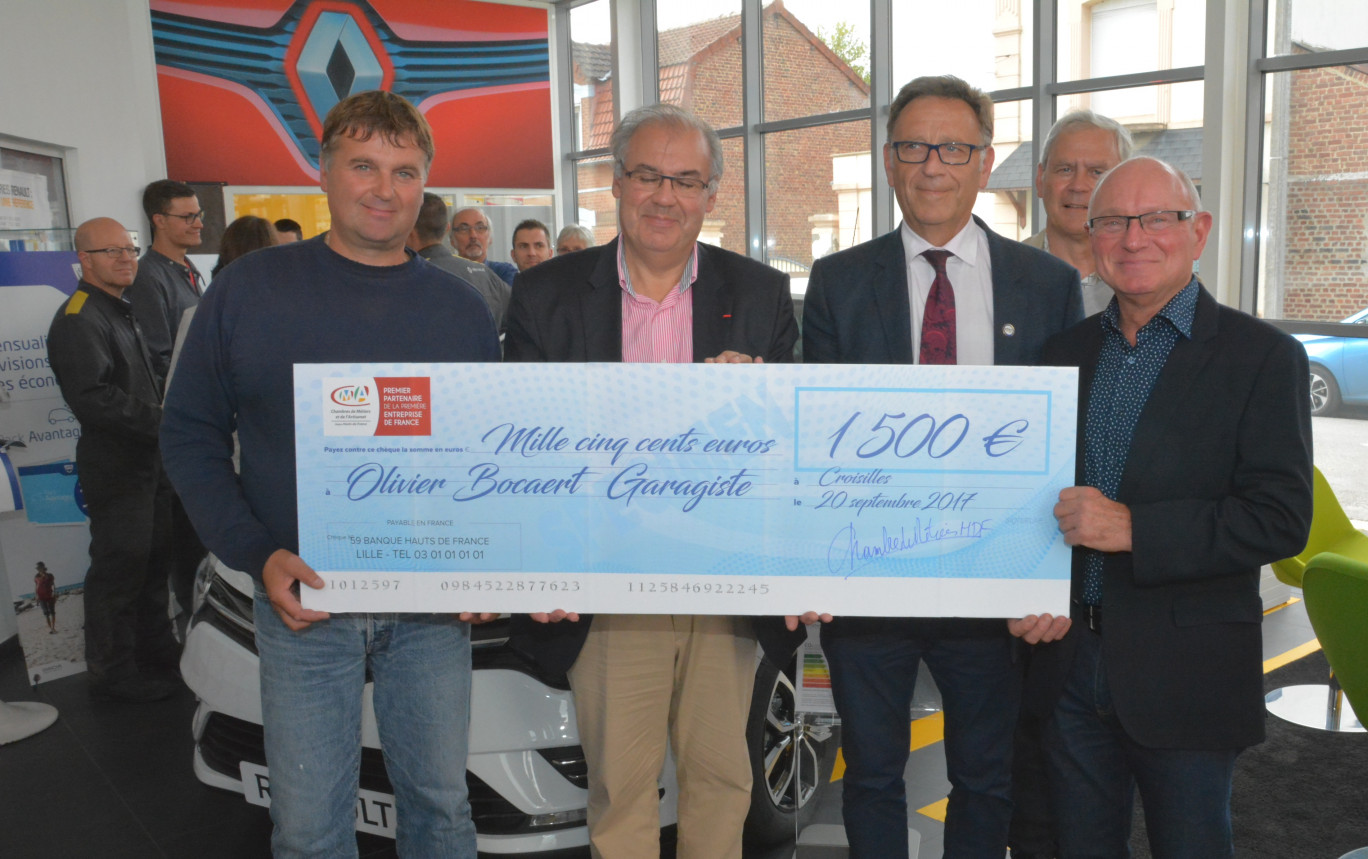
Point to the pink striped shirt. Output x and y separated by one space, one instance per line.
658 332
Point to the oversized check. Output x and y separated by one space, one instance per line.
685 488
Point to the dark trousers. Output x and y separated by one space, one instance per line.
126 588
1032 829
872 678
1095 767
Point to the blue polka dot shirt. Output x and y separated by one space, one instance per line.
1122 383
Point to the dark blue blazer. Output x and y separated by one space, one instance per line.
570 309
1218 482
856 312
856 308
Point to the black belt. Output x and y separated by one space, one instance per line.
1088 615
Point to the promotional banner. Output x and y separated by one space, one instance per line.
693 488
43 546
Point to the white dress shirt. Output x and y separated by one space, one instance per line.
971 276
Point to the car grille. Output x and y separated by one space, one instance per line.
570 763
229 611
227 741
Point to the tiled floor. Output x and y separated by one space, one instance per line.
115 780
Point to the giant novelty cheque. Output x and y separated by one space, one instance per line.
685 488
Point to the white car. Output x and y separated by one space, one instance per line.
526 772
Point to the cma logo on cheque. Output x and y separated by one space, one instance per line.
352 395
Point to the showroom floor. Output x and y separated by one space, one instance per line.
115 780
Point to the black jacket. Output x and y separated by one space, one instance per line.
1218 482
97 354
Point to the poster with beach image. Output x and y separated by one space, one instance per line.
47 580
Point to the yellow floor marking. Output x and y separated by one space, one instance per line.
931 729
936 810
1292 655
928 730
925 731
1282 605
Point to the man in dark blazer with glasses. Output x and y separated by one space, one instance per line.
868 305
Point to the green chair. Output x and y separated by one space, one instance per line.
1331 531
1319 705
1336 591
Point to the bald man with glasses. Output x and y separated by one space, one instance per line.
96 350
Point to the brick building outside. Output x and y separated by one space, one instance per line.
1324 267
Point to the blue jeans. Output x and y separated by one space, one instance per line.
311 697
872 680
1095 766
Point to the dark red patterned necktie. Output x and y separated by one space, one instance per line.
938 318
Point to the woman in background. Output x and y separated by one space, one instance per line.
246 234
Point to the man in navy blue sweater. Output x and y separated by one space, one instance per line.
353 295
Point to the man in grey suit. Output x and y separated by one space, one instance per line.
428 240
942 288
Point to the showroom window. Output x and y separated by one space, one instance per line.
802 102
1309 231
587 63
815 75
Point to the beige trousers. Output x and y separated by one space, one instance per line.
642 680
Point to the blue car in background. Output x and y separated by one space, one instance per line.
1339 368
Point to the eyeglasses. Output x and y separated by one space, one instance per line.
466 229
1150 222
684 186
950 154
189 218
115 253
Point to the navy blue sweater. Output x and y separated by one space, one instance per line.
297 303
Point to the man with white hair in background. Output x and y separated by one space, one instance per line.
1079 149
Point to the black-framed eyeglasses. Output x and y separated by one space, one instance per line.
684 186
951 154
116 253
1150 222
467 229
189 218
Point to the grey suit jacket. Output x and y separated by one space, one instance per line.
490 286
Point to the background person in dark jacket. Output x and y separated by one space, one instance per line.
103 368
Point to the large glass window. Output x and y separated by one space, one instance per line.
1313 26
1006 204
816 58
593 115
725 225
1313 263
699 51
1118 37
817 199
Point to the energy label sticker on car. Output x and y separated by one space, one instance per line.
374 811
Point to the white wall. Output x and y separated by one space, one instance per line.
79 75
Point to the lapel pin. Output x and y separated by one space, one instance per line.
1008 330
